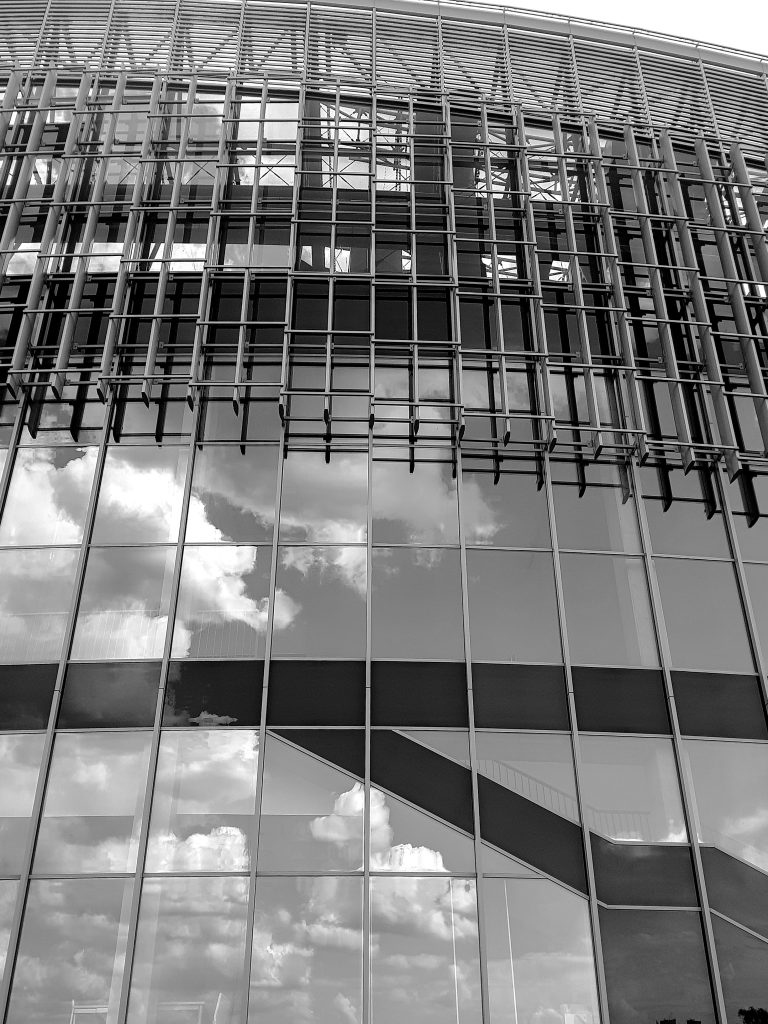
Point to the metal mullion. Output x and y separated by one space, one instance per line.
372 257
540 330
52 226
9 103
457 411
751 360
617 291
134 222
331 263
688 799
367 937
679 411
154 334
578 291
45 762
602 992
283 407
252 873
714 371
504 383
210 242
473 759
27 162
58 379
413 348
141 851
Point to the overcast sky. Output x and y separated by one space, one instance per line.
739 23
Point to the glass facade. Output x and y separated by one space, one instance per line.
383 519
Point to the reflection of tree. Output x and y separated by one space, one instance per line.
754 1015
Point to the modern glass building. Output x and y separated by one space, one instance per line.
384 517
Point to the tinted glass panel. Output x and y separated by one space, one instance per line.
233 494
110 695
312 926
596 513
512 606
757 579
424 937
607 611
620 700
510 511
48 496
537 766
20 757
539 949
316 693
191 936
404 838
72 951
743 961
8 891
26 692
324 503
630 874
736 889
414 507
213 694
655 966
92 810
204 802
711 704
418 693
519 697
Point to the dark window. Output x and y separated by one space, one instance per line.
620 700
418 693
213 693
519 697
316 693
743 961
711 704
628 874
26 692
111 695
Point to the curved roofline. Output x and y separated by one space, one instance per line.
495 11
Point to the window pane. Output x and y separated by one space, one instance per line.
233 494
140 496
757 580
72 951
595 515
512 606
608 611
311 814
210 694
418 507
320 597
48 496
510 511
537 766
730 780
324 503
20 757
694 595
424 939
417 604
743 961
631 791
8 891
34 602
190 949
682 521
223 604
655 966
124 605
539 950
404 838
92 810
205 801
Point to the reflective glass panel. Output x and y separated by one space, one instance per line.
233 494
48 496
630 787
682 521
512 606
608 611
8 891
190 949
539 949
34 602
124 605
594 514
306 962
694 595
311 813
204 801
418 507
730 781
538 766
140 496
655 966
424 950
510 511
92 810
417 604
324 503
404 838
743 961
20 757
223 605
72 952
320 595
757 580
